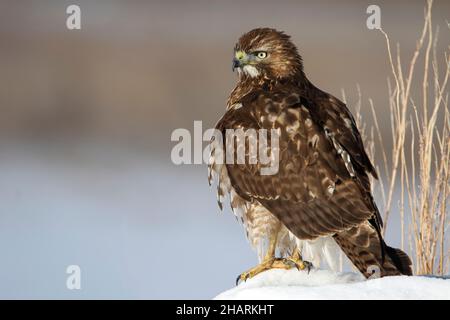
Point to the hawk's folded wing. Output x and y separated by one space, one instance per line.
317 190
333 115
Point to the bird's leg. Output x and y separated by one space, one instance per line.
296 259
269 261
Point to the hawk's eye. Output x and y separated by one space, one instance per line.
261 54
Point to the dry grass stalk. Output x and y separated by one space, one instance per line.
423 176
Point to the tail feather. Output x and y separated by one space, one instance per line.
368 252
401 260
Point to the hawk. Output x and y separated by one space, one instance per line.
321 191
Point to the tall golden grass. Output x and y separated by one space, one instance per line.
416 163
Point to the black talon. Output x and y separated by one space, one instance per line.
239 278
309 265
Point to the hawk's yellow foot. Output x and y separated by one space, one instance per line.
267 264
293 261
298 262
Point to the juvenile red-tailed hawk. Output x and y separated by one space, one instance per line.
321 190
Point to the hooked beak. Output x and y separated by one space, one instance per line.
239 60
236 64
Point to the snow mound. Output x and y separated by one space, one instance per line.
324 284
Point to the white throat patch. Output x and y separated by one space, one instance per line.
251 71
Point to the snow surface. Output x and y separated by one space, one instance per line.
323 284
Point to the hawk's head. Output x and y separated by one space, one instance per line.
268 53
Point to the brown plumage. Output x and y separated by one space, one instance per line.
322 188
